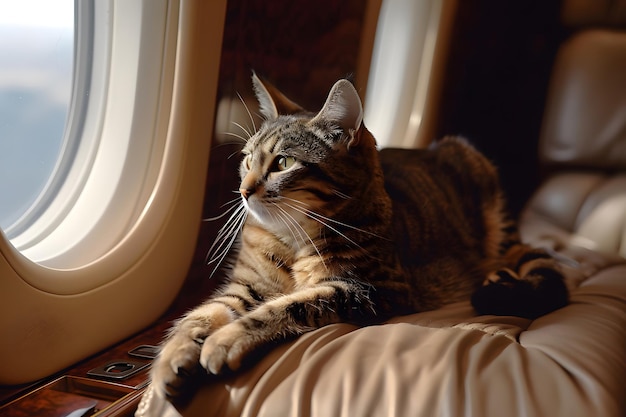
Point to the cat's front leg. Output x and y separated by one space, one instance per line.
287 315
180 353
227 347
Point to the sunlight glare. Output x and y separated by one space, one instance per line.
39 13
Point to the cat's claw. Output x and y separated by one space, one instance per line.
176 363
225 348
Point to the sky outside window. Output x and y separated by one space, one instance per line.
36 54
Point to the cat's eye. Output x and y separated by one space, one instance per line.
284 162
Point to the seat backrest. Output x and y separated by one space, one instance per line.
583 142
585 117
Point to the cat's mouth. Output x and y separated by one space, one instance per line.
256 208
261 210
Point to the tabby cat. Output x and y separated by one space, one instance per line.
332 230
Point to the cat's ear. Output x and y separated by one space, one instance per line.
342 108
271 101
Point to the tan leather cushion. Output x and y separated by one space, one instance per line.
446 362
585 117
583 208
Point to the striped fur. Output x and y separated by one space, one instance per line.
335 231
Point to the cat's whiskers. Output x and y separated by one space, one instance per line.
232 203
230 229
219 257
320 219
301 232
238 136
237 152
304 206
226 235
291 226
245 129
341 195
245 106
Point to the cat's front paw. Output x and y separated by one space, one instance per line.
226 348
177 362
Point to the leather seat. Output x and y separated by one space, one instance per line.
583 147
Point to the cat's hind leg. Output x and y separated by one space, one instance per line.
530 286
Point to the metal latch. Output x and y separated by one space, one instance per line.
118 369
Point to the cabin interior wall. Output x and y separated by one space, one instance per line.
501 56
493 91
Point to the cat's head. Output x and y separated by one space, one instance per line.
301 167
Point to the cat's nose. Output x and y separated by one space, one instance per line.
246 192
248 185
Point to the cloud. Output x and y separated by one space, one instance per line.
39 60
35 88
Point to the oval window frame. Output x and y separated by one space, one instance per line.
50 316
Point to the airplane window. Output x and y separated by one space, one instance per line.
123 221
36 59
